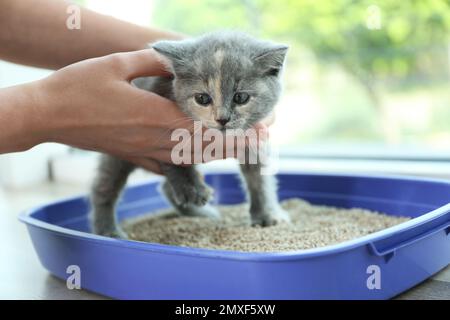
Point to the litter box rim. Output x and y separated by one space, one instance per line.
28 218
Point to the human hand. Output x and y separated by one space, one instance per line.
92 105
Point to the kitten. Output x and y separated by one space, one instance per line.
227 80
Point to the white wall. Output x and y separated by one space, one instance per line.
27 168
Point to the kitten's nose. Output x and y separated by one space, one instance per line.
223 121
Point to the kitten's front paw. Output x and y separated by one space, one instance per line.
270 219
207 211
197 195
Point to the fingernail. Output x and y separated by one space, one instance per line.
263 133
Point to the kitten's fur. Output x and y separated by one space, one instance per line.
219 64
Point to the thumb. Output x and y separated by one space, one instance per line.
145 163
146 63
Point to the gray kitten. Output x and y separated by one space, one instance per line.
227 80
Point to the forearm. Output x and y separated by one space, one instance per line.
34 32
19 119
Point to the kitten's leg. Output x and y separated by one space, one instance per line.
262 192
187 192
111 178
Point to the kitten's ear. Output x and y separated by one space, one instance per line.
270 59
170 49
176 52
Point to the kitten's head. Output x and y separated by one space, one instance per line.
226 80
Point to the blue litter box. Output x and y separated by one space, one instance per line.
377 266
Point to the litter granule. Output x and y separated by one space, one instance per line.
312 226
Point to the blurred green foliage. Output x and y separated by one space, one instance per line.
384 39
79 2
386 47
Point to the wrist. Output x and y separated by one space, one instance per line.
16 120
23 118
40 117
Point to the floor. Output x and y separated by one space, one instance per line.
24 278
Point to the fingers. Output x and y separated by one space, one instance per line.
205 146
142 63
262 131
269 120
190 150
159 112
145 163
151 161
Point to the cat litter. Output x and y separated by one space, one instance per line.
312 226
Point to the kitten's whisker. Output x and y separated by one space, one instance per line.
247 90
179 120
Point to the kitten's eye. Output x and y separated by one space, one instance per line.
241 98
202 99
